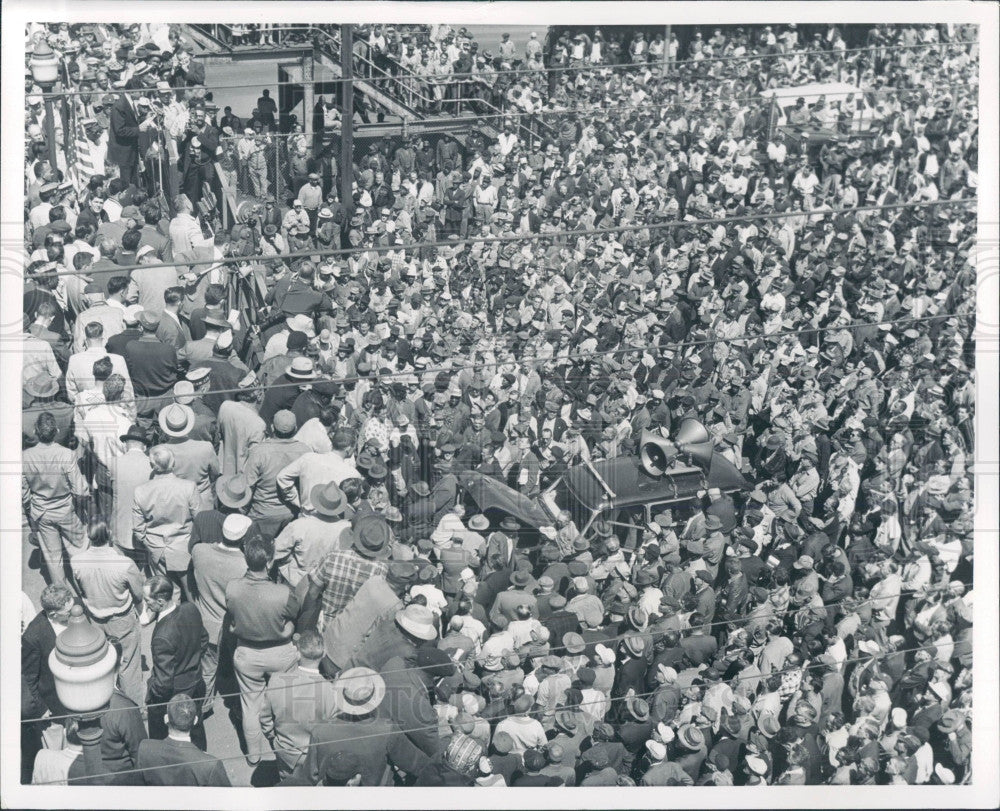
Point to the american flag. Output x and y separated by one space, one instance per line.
78 159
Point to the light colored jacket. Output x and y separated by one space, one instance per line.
162 514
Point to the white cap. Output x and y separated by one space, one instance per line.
131 314
235 526
143 250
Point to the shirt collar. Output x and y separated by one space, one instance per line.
166 611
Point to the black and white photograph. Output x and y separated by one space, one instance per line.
502 396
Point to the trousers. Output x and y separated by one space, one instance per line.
123 632
61 534
254 667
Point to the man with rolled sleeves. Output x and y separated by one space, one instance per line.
51 484
240 427
263 621
111 590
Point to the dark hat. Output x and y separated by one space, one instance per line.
327 499
371 535
149 320
134 434
401 571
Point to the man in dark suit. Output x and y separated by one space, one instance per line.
172 331
123 134
176 761
177 645
38 688
151 363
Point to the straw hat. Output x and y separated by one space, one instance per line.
417 620
176 420
358 690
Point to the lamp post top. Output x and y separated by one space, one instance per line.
81 644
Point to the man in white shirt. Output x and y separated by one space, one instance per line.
777 152
80 368
185 231
805 183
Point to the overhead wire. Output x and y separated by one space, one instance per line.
430 727
526 361
479 659
311 253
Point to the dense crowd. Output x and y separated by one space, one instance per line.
276 502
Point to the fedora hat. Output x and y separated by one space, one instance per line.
421 489
479 523
176 420
134 434
638 708
690 737
712 522
768 725
301 369
233 491
42 385
327 499
359 690
370 536
602 529
417 620
635 645
573 643
566 721
951 721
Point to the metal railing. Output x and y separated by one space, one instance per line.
421 94
237 36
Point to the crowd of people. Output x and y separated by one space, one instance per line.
275 503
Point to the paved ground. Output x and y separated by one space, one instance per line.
222 739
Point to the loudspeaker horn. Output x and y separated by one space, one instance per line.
694 441
655 453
